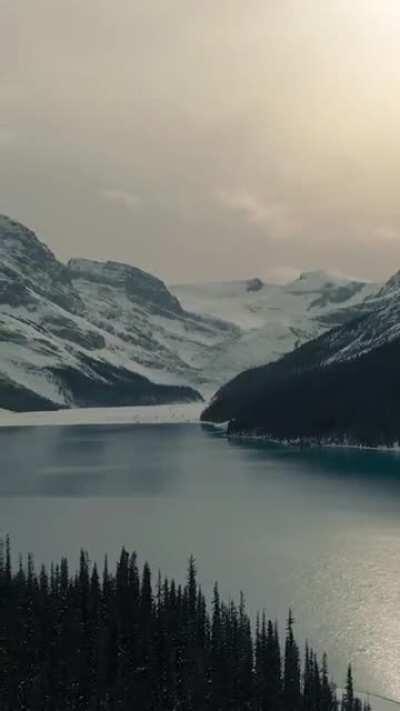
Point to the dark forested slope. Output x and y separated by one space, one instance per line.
111 641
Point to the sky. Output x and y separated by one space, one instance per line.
205 139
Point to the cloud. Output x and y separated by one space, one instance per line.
272 215
386 233
282 275
122 198
253 209
7 137
239 136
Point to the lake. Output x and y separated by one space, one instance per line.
316 530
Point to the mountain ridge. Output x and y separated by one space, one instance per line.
60 323
51 354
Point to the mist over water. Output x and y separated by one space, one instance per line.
317 530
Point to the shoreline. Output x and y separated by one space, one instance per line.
378 701
179 413
311 444
302 444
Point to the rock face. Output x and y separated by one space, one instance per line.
145 322
254 284
135 284
341 387
86 332
29 269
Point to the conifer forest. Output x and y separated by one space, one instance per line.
96 640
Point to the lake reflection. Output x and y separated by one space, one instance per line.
315 530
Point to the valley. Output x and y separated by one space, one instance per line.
95 334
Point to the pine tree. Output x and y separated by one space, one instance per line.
348 698
217 652
308 680
328 699
291 679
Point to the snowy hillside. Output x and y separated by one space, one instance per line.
252 304
51 354
380 325
147 323
272 319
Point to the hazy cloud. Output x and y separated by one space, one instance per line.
254 209
122 198
282 275
272 216
211 140
386 233
7 137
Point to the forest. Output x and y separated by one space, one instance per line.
302 398
90 640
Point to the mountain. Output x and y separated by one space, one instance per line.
105 333
146 321
29 271
53 353
253 304
270 319
343 386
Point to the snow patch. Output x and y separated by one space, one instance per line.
144 415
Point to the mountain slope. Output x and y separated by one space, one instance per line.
342 386
51 356
253 303
271 320
146 322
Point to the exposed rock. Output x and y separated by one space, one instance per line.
254 284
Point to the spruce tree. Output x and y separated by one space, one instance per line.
348 698
291 678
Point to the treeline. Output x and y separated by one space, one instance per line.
298 399
89 641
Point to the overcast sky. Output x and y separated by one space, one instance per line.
205 139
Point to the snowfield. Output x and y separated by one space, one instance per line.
148 415
270 319
253 304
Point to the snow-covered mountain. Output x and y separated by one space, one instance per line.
272 319
53 353
343 386
253 304
378 324
93 333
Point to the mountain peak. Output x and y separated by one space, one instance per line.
392 284
136 283
314 274
9 224
109 270
14 235
319 277
255 284
29 267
